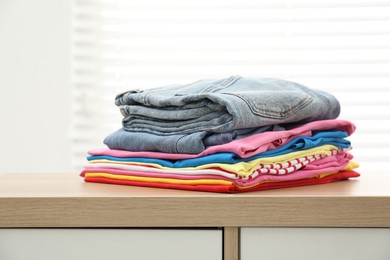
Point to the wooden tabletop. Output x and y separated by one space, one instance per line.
64 200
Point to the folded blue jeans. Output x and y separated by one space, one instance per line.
223 105
189 118
193 143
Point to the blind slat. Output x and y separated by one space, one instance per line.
188 16
229 4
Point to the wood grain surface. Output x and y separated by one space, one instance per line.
64 200
231 243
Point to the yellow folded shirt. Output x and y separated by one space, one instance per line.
153 179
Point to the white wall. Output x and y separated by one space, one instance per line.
34 86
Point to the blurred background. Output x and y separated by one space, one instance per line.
63 62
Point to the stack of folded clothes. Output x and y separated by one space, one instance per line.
226 135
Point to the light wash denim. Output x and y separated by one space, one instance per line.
193 143
336 138
223 105
190 118
141 141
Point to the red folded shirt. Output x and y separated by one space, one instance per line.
342 175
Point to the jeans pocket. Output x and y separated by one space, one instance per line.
274 104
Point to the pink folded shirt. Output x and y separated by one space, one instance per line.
245 147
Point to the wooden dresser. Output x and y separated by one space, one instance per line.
49 214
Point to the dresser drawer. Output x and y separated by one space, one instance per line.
315 243
118 244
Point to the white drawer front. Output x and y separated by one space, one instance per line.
315 243
105 244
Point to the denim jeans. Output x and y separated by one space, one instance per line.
189 118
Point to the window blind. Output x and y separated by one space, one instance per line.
339 46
